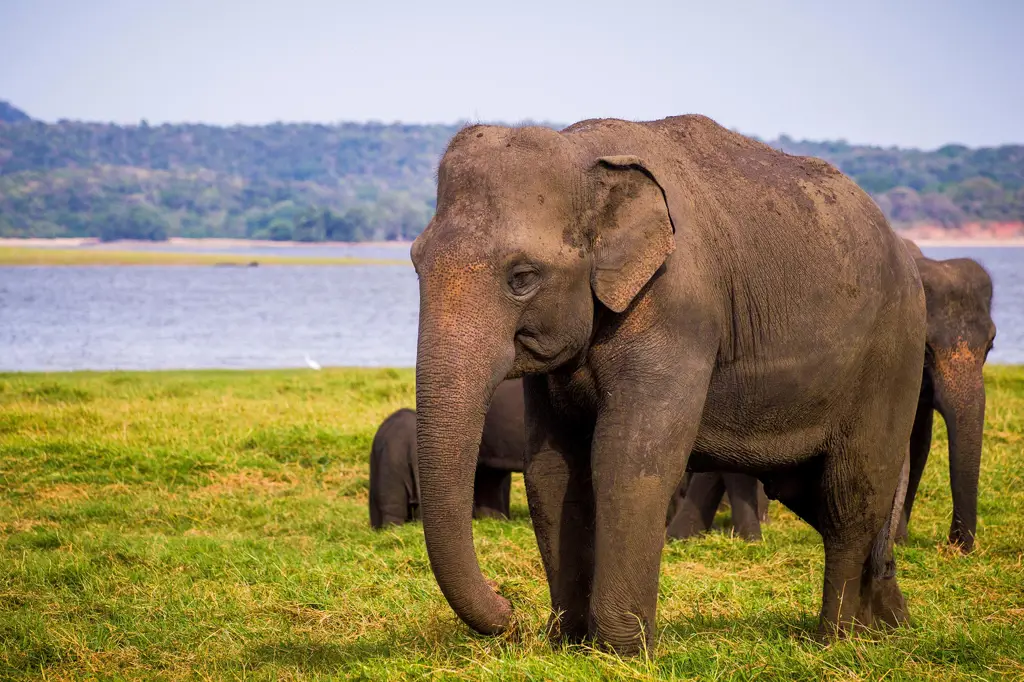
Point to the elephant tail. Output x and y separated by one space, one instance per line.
883 565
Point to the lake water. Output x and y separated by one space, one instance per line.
177 317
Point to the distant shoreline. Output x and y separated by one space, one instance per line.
219 243
973 243
210 243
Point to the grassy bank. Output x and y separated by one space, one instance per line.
48 256
214 525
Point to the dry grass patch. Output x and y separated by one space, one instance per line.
247 481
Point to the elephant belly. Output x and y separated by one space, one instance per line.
754 421
504 461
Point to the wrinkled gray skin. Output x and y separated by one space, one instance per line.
394 480
960 335
699 497
669 291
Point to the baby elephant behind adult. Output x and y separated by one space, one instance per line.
394 481
700 495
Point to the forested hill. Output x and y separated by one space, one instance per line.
949 187
10 114
355 182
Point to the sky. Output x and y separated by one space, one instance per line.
913 73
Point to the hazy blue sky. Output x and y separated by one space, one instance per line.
907 72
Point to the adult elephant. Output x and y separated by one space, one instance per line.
394 478
665 287
959 337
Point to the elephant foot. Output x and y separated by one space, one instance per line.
687 523
888 605
563 631
882 606
677 534
961 540
488 513
628 634
829 631
902 534
751 532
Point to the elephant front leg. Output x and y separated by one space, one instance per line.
640 449
920 445
560 494
561 501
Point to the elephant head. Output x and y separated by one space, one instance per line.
534 234
959 337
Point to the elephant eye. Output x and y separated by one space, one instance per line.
523 279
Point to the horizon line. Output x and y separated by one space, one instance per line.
145 122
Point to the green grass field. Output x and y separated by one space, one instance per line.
214 525
16 255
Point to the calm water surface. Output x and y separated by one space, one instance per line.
179 317
175 317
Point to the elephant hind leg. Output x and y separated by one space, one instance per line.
860 587
852 593
762 504
491 492
695 512
390 499
389 503
743 498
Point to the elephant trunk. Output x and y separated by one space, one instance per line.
962 404
456 374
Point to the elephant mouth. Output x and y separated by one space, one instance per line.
533 355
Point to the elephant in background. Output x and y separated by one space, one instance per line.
394 476
675 296
960 335
700 495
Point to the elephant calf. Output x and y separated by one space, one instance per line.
959 338
394 479
700 495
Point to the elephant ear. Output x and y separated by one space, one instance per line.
633 231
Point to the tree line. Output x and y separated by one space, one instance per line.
373 181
